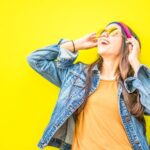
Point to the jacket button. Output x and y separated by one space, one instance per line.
127 118
136 142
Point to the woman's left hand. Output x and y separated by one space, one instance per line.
134 49
134 52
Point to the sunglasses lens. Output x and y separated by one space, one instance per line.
112 31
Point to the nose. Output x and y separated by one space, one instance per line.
104 34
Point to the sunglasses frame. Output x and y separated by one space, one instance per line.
100 31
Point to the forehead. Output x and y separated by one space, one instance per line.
113 25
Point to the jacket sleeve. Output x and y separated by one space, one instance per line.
141 82
52 62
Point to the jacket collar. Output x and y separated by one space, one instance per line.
96 68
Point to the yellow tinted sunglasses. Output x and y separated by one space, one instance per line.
112 32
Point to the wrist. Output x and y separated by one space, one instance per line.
135 63
68 45
78 45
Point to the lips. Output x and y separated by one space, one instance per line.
104 42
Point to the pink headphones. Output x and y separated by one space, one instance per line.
125 28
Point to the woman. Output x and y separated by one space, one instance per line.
100 105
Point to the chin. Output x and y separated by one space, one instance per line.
102 49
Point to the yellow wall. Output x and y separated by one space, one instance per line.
27 100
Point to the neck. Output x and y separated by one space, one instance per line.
109 68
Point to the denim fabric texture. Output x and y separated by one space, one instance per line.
57 65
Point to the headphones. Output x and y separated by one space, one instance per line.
125 29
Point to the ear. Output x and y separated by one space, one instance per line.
130 47
129 44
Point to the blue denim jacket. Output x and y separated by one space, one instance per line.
56 65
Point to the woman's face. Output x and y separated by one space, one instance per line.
110 43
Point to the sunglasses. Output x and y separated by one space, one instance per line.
111 32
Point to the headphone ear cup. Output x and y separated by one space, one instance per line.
128 33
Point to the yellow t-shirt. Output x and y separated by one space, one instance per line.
99 126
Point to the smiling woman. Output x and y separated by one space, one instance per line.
116 62
107 98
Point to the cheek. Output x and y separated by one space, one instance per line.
117 43
116 46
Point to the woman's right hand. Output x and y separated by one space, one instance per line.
86 42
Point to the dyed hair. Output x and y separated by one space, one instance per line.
132 100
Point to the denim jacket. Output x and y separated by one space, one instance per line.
56 65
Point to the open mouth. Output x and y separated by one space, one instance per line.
104 42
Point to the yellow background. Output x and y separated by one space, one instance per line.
27 99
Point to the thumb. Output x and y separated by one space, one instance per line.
93 33
95 43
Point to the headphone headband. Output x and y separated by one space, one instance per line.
125 28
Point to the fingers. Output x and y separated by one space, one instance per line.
95 40
133 43
92 33
132 40
92 36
